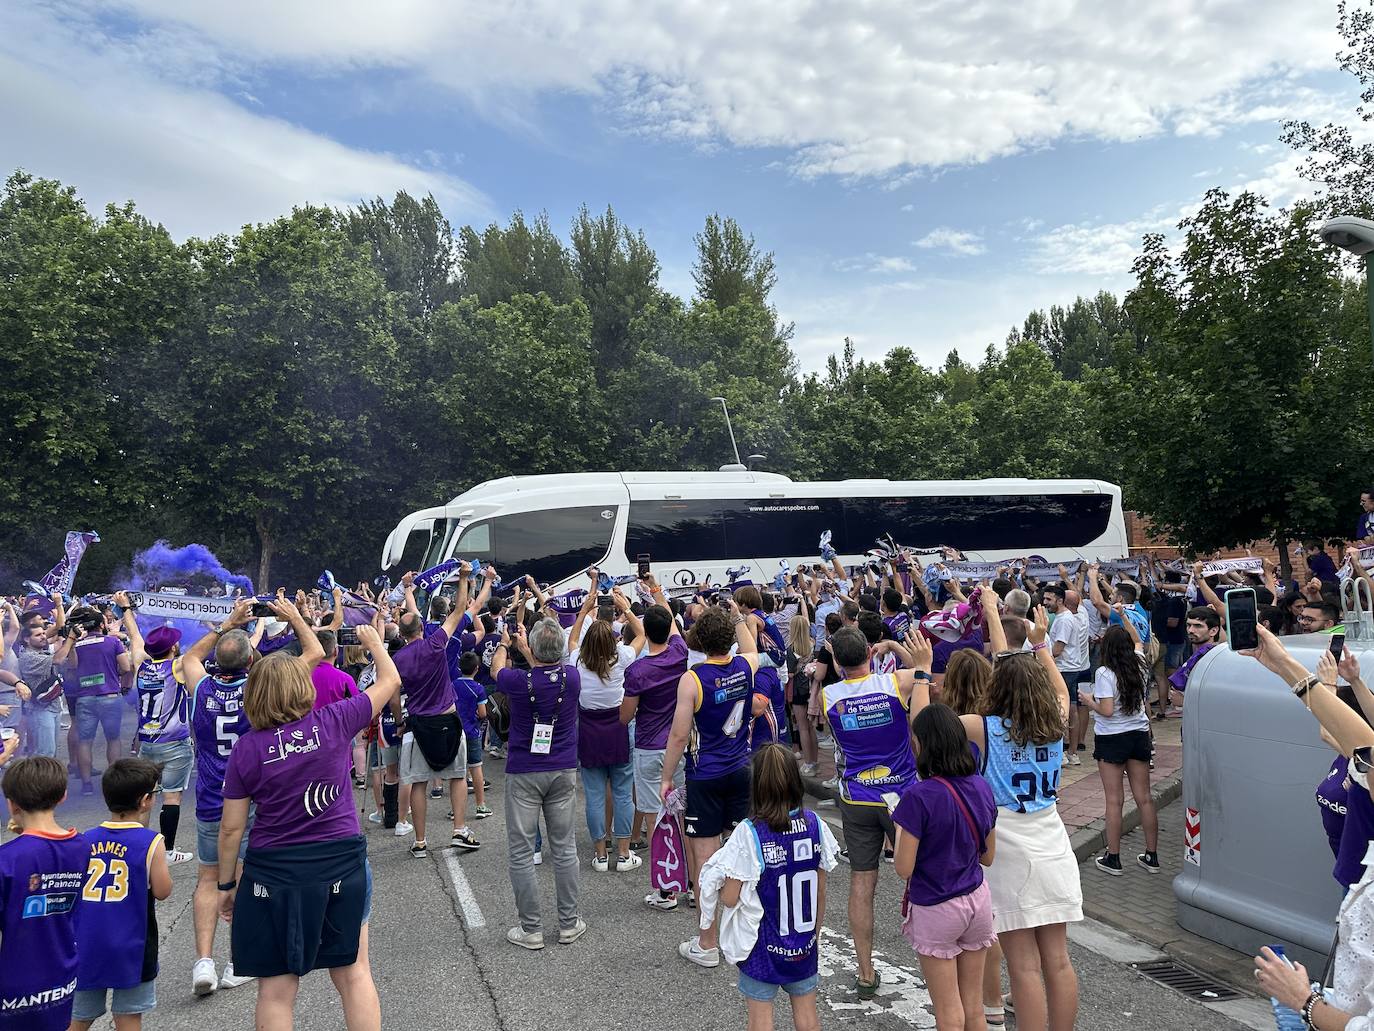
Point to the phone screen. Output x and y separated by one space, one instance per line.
1337 646
1242 619
643 564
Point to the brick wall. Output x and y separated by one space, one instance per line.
1141 537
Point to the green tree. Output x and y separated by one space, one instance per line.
617 274
730 269
522 258
413 246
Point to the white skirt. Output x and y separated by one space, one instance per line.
1034 875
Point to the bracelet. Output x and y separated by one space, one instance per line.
229 885
1040 647
1306 684
1309 1006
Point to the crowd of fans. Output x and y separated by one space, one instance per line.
950 709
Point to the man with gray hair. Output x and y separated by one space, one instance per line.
1069 641
218 719
541 776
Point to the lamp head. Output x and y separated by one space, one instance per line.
1349 233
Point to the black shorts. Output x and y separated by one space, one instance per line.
801 688
865 828
715 805
1118 749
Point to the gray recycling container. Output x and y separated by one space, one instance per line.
1257 864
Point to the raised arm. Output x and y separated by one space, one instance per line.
337 616
312 653
1209 596
992 622
408 590
588 607
137 652
387 682
193 662
1040 627
533 586
636 626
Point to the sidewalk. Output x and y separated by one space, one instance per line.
1082 805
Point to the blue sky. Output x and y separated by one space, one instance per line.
926 172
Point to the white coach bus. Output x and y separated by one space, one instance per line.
691 524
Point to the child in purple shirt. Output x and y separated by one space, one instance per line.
945 837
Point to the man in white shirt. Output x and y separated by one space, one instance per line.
1069 642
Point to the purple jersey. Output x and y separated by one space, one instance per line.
162 702
97 666
217 721
1332 795
789 891
898 625
40 885
772 725
873 746
725 696
117 938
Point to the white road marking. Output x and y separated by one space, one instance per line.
901 991
472 912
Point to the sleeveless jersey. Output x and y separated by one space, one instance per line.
117 939
789 890
1024 778
217 721
720 737
162 702
868 719
40 892
772 725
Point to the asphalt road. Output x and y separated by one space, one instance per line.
441 960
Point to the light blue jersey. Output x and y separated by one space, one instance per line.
1024 778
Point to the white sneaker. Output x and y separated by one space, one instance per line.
808 769
656 901
374 817
1075 761
175 856
600 864
403 828
692 952
630 862
538 858
204 979
229 979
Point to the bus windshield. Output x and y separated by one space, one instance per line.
549 545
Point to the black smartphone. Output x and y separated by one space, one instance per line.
1242 619
903 566
642 561
261 610
604 599
1337 646
347 636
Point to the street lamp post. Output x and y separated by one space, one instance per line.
726 409
1355 235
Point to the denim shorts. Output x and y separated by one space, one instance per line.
175 758
474 745
90 1004
207 841
105 710
762 991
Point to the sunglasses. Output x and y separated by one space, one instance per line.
1363 759
1007 655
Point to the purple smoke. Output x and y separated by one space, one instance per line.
162 564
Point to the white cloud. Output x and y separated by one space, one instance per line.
1099 249
875 90
953 241
876 264
196 161
908 207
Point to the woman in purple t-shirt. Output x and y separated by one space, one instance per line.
945 836
307 858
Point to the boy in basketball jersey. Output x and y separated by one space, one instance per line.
41 872
126 872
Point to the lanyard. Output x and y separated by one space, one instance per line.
534 706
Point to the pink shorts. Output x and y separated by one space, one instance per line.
962 924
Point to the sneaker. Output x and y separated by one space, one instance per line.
630 862
1176 713
450 815
496 752
436 792
1082 748
229 979
1075 761
600 864
833 783
843 855
538 858
637 846
654 900
87 788
691 899
1150 861
568 935
465 841
692 952
419 850
1109 864
174 857
808 769
403 829
1064 759
481 812
889 856
204 980
532 940
470 787
375 816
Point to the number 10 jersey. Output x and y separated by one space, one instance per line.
789 892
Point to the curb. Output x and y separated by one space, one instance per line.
1091 837
1088 839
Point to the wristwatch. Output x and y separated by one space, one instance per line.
921 674
229 885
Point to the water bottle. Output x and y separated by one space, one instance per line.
1285 1018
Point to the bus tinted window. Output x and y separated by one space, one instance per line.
978 523
552 544
780 526
676 531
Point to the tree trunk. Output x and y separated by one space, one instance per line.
267 548
1285 567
